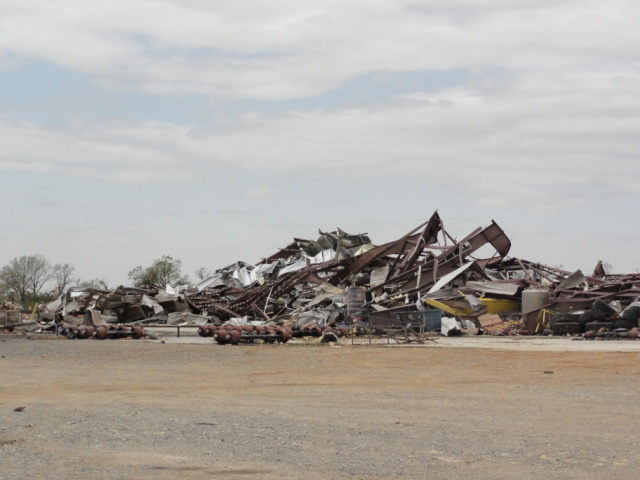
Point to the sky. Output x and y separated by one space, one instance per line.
217 131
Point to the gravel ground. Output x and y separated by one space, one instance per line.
128 409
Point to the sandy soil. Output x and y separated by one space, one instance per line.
148 410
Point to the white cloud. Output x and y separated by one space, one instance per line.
124 152
548 120
259 192
287 49
534 143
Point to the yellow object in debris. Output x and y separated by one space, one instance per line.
496 305
544 323
447 308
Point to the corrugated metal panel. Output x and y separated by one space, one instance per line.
379 275
496 288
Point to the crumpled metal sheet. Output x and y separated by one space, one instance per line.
186 318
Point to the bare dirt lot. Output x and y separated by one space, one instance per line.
129 409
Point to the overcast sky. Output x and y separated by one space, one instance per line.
216 131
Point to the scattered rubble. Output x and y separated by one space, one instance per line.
342 284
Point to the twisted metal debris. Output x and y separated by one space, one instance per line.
342 283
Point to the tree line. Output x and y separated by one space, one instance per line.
33 279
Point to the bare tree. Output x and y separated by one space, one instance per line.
63 276
39 273
202 273
25 277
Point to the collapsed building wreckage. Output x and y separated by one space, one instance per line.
342 283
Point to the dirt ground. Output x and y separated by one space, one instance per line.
127 409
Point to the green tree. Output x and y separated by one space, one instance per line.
163 271
99 283
24 278
5 293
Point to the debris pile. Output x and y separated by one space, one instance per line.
11 319
342 283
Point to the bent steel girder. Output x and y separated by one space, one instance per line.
452 258
391 248
408 258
